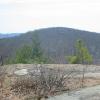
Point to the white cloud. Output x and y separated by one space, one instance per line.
24 15
5 1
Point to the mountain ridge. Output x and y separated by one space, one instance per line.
56 42
8 35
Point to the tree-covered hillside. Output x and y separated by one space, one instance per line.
56 43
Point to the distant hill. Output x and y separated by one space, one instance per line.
9 35
56 42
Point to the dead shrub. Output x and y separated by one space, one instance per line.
42 82
2 75
23 85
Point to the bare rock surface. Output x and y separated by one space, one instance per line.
91 93
24 69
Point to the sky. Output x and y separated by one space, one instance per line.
26 15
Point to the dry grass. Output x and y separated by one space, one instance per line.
27 88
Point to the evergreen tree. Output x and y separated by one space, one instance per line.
82 55
31 54
23 55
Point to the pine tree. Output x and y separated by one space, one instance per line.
23 55
31 54
82 55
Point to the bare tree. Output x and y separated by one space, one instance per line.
1 60
83 76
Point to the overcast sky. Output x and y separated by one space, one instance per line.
26 15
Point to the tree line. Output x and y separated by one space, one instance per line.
34 54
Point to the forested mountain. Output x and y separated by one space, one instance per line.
56 42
